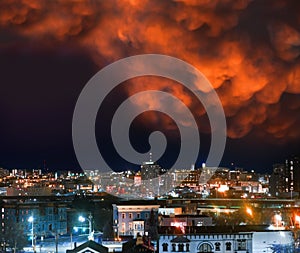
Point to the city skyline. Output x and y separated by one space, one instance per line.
248 50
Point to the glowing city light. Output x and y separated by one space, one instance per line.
249 211
81 218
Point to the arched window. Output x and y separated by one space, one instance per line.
180 247
165 246
218 246
173 247
205 247
228 245
187 246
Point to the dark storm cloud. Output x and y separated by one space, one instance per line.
249 50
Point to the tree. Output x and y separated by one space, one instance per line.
14 236
152 224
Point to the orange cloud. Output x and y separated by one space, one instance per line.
252 61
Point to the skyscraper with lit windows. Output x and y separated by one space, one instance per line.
284 180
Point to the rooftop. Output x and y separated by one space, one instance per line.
214 229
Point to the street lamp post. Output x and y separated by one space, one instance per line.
91 231
31 219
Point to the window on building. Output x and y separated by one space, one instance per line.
123 215
146 215
228 245
138 215
218 246
130 226
123 226
180 247
173 247
165 246
241 244
205 247
130 215
187 246
42 211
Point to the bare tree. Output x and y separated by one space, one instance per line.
14 236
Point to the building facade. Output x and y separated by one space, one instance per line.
46 218
130 220
207 242
218 239
185 220
284 181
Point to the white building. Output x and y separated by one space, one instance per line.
217 239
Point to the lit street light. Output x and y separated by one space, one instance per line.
278 219
297 220
31 219
249 211
91 231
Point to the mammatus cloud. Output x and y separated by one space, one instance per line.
249 50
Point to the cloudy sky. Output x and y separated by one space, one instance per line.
248 50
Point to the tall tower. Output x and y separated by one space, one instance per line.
150 169
285 178
292 174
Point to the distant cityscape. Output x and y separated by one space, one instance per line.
151 210
152 181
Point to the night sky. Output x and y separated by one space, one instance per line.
248 50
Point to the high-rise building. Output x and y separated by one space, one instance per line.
150 170
292 167
284 180
150 175
277 182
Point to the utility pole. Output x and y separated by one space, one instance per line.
56 242
71 237
56 239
